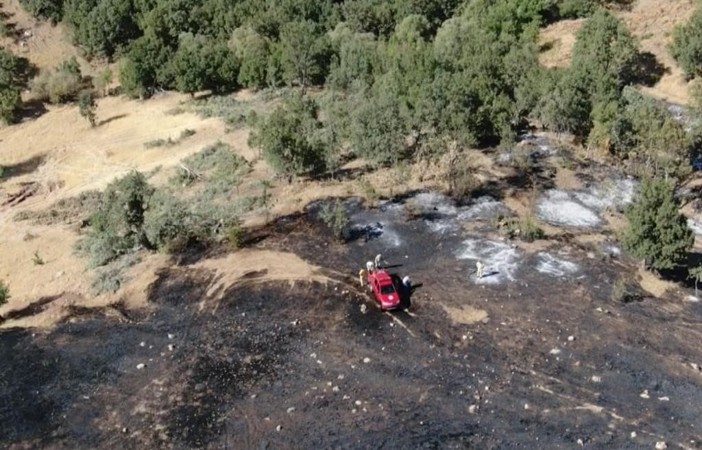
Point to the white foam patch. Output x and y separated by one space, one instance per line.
613 250
390 236
501 261
553 266
558 208
483 208
442 226
612 194
430 201
695 226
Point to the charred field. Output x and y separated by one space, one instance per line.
535 355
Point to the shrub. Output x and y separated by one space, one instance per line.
687 45
368 191
333 214
87 105
624 291
109 279
116 228
4 292
59 85
166 219
530 230
235 235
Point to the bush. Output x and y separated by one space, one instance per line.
530 230
333 214
687 45
116 228
235 235
87 105
4 292
109 279
166 219
624 291
59 85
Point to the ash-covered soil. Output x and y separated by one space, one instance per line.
542 358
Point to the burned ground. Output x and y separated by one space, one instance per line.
552 361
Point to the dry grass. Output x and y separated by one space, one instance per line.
48 45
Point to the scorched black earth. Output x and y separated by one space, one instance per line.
532 362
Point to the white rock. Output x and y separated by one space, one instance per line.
664 399
171 336
633 434
358 402
141 366
661 445
580 442
644 394
695 366
366 360
526 405
555 351
571 338
142 344
291 409
596 379
472 409
335 389
171 347
313 356
278 428
364 308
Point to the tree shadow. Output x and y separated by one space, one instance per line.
647 70
681 274
23 168
111 119
33 308
29 110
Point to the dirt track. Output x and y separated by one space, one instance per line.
293 355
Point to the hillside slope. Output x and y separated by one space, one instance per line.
652 22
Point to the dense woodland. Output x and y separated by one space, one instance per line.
389 81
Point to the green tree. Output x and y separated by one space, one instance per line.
657 232
354 60
305 56
145 66
13 74
687 45
44 9
288 138
645 132
378 131
252 50
335 217
87 105
10 100
117 226
105 28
